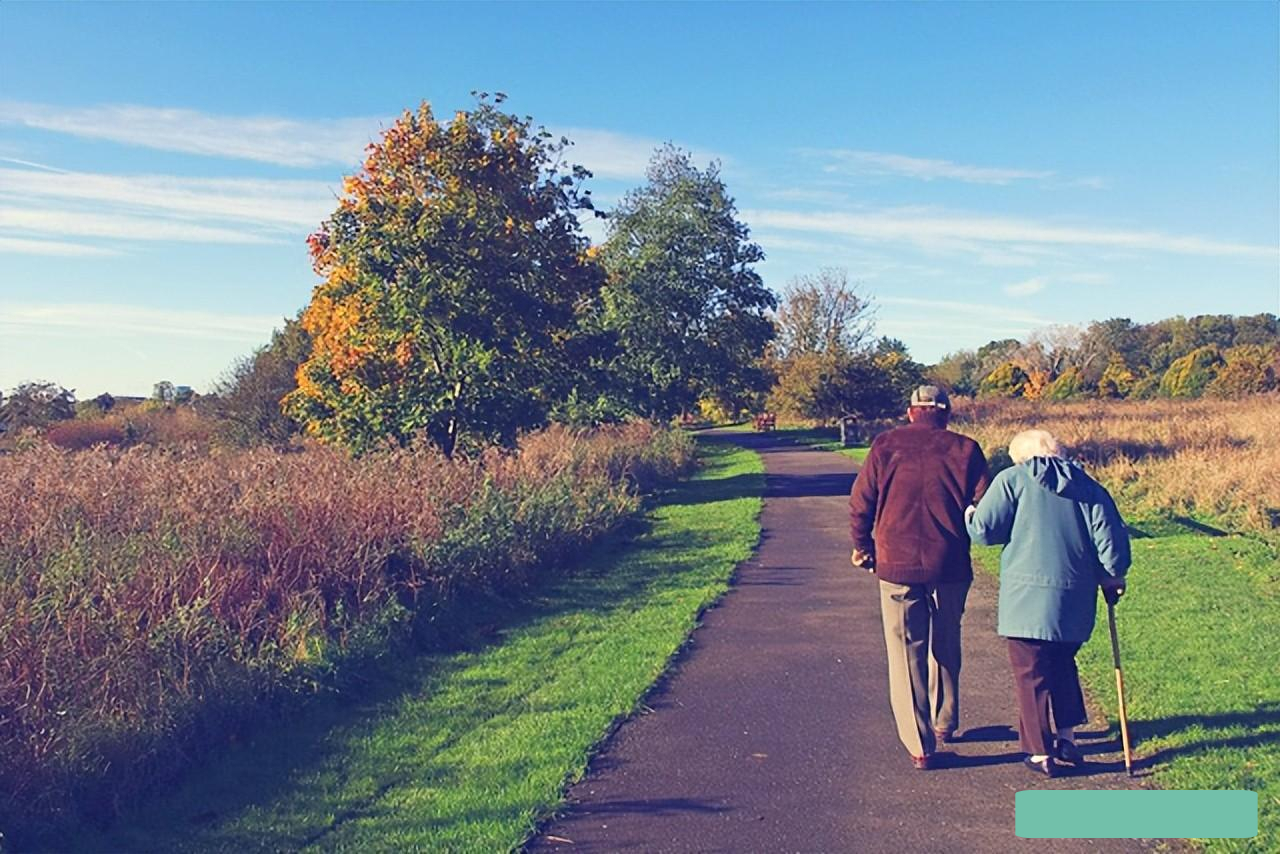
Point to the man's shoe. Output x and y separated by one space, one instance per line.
1066 751
1045 766
944 736
931 761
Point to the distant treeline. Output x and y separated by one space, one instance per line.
1208 355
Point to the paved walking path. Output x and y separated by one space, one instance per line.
773 732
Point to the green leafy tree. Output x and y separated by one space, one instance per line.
1191 374
682 300
1146 386
1262 329
868 387
455 279
164 392
1218 330
1249 369
1007 380
957 372
902 373
1104 339
1117 380
247 400
1067 386
36 404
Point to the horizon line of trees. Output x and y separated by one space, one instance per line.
1216 355
460 301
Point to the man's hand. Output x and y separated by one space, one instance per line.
1112 590
862 560
968 513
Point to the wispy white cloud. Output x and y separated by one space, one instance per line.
1091 183
922 168
620 156
33 165
1026 287
952 321
1086 278
267 139
60 248
944 232
115 319
283 141
119 226
281 203
608 154
987 311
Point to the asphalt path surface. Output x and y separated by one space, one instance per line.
772 731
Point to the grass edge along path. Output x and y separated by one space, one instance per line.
824 439
1199 631
469 750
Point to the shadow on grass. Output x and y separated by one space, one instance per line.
775 485
1264 723
1262 726
1172 526
721 489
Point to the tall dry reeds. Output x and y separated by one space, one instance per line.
1211 457
149 595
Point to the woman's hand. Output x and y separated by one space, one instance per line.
1112 590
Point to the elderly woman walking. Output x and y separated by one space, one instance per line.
1063 538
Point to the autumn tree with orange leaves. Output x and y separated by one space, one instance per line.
455 277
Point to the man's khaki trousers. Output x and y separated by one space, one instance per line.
922 637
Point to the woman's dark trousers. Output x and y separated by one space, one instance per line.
1045 677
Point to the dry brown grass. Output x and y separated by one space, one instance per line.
1208 457
151 592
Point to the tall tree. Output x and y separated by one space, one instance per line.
825 313
683 301
36 404
247 400
454 273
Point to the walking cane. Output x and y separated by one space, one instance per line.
1124 716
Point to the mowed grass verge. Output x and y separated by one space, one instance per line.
468 750
1199 636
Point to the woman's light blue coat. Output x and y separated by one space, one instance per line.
1062 534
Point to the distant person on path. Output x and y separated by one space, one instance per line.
1063 538
907 519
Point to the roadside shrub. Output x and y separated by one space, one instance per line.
1008 380
152 598
1068 385
78 435
1191 374
1249 369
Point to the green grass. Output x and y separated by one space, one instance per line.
468 750
1200 646
824 439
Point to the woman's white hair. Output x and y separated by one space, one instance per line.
1034 443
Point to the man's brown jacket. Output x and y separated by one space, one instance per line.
908 502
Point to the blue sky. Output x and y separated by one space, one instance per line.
984 170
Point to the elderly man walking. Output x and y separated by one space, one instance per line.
907 513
